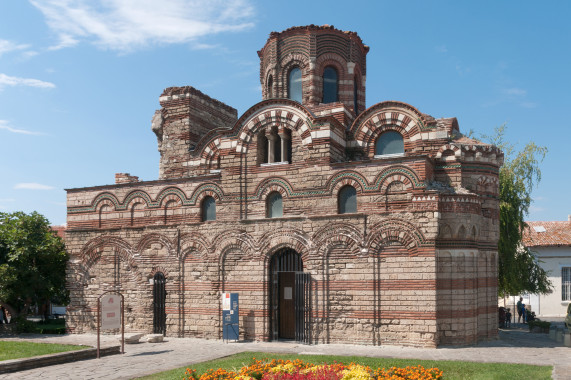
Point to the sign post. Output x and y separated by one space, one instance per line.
111 316
230 317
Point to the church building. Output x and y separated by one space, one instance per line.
334 222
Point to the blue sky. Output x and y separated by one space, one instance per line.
80 80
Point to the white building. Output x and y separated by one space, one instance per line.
552 243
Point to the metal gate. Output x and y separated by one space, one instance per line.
288 262
159 301
302 307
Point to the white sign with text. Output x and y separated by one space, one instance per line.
110 312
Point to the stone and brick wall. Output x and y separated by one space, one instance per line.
415 265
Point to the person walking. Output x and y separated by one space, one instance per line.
520 310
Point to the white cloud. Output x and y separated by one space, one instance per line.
441 49
6 200
126 25
514 91
32 186
6 80
5 125
8 46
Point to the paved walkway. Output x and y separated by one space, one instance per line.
514 346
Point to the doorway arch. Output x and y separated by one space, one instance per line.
289 296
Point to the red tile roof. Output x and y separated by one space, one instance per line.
555 234
60 230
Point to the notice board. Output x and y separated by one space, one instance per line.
230 316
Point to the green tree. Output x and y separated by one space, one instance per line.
32 262
518 268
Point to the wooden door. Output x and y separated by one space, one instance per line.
286 285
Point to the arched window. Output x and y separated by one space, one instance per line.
347 200
294 85
208 209
274 205
270 87
389 142
330 85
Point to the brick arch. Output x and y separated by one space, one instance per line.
287 63
151 238
280 115
399 173
101 205
279 184
395 230
137 196
347 177
207 189
210 155
91 253
194 242
273 241
384 116
170 194
241 240
456 151
339 64
337 233
157 269
333 60
269 70
136 200
106 199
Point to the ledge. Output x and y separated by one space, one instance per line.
15 365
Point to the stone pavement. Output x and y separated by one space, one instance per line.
515 345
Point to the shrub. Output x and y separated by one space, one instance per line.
544 325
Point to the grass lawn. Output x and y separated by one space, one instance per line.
16 350
452 369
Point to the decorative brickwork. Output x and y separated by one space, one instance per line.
416 264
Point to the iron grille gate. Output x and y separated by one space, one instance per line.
302 306
159 301
288 260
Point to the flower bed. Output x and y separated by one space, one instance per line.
299 370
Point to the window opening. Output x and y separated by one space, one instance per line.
208 209
270 87
389 142
275 146
330 85
294 90
347 200
274 205
566 284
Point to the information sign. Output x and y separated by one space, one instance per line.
230 316
110 312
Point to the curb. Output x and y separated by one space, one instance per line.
15 365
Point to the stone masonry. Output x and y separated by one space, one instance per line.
414 264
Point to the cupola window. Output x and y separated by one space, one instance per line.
389 143
270 87
330 85
294 90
